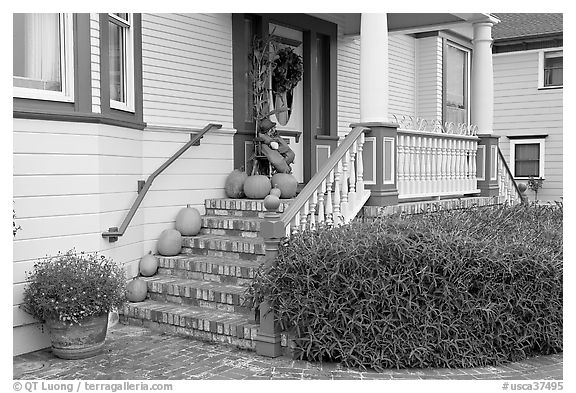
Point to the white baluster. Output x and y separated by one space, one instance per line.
412 165
400 166
462 165
336 211
428 166
451 165
304 217
344 186
313 201
328 204
352 175
360 166
473 181
444 182
295 223
321 190
417 167
435 167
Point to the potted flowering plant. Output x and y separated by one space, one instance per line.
72 294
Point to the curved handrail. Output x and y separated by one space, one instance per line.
114 232
509 173
311 187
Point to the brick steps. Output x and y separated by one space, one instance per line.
224 246
191 321
250 208
224 270
199 293
231 226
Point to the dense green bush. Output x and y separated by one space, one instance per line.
457 288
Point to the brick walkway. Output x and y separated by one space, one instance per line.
134 353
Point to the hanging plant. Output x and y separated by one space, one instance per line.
287 70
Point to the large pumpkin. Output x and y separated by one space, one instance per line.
148 265
286 183
234 186
188 221
136 290
169 243
257 186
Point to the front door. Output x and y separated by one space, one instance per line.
290 123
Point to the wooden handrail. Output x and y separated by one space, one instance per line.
322 173
114 233
509 172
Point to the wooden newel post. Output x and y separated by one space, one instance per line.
269 338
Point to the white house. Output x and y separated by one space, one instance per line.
528 97
102 100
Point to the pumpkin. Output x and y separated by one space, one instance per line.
287 184
169 242
136 290
148 265
234 186
276 191
188 221
257 186
271 202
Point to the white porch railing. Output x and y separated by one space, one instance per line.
507 186
435 160
336 193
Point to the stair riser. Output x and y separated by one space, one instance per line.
239 224
217 278
168 266
228 232
241 205
234 246
197 294
184 301
223 254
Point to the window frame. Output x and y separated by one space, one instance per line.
468 51
128 62
541 63
527 141
66 68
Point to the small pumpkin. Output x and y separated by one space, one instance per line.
276 191
188 221
271 202
234 186
148 265
136 290
257 186
169 243
287 184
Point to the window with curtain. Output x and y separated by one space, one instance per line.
553 68
120 60
456 104
42 61
527 160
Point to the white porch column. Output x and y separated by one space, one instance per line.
373 68
482 79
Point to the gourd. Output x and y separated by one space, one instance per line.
271 202
188 221
136 290
257 186
276 191
148 265
169 242
234 186
287 184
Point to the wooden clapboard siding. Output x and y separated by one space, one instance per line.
429 78
187 69
521 109
402 75
95 60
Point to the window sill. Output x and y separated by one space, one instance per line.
550 87
77 117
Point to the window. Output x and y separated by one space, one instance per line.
43 57
121 61
456 84
551 68
527 157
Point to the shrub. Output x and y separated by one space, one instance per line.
447 289
70 287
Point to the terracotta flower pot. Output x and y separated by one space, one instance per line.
78 341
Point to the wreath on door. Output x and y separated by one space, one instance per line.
286 74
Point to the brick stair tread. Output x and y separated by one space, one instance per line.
253 240
235 218
222 261
172 314
196 284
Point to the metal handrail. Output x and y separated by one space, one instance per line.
509 173
114 232
322 173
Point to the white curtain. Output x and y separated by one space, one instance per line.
42 49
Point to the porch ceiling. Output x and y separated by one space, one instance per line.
408 23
